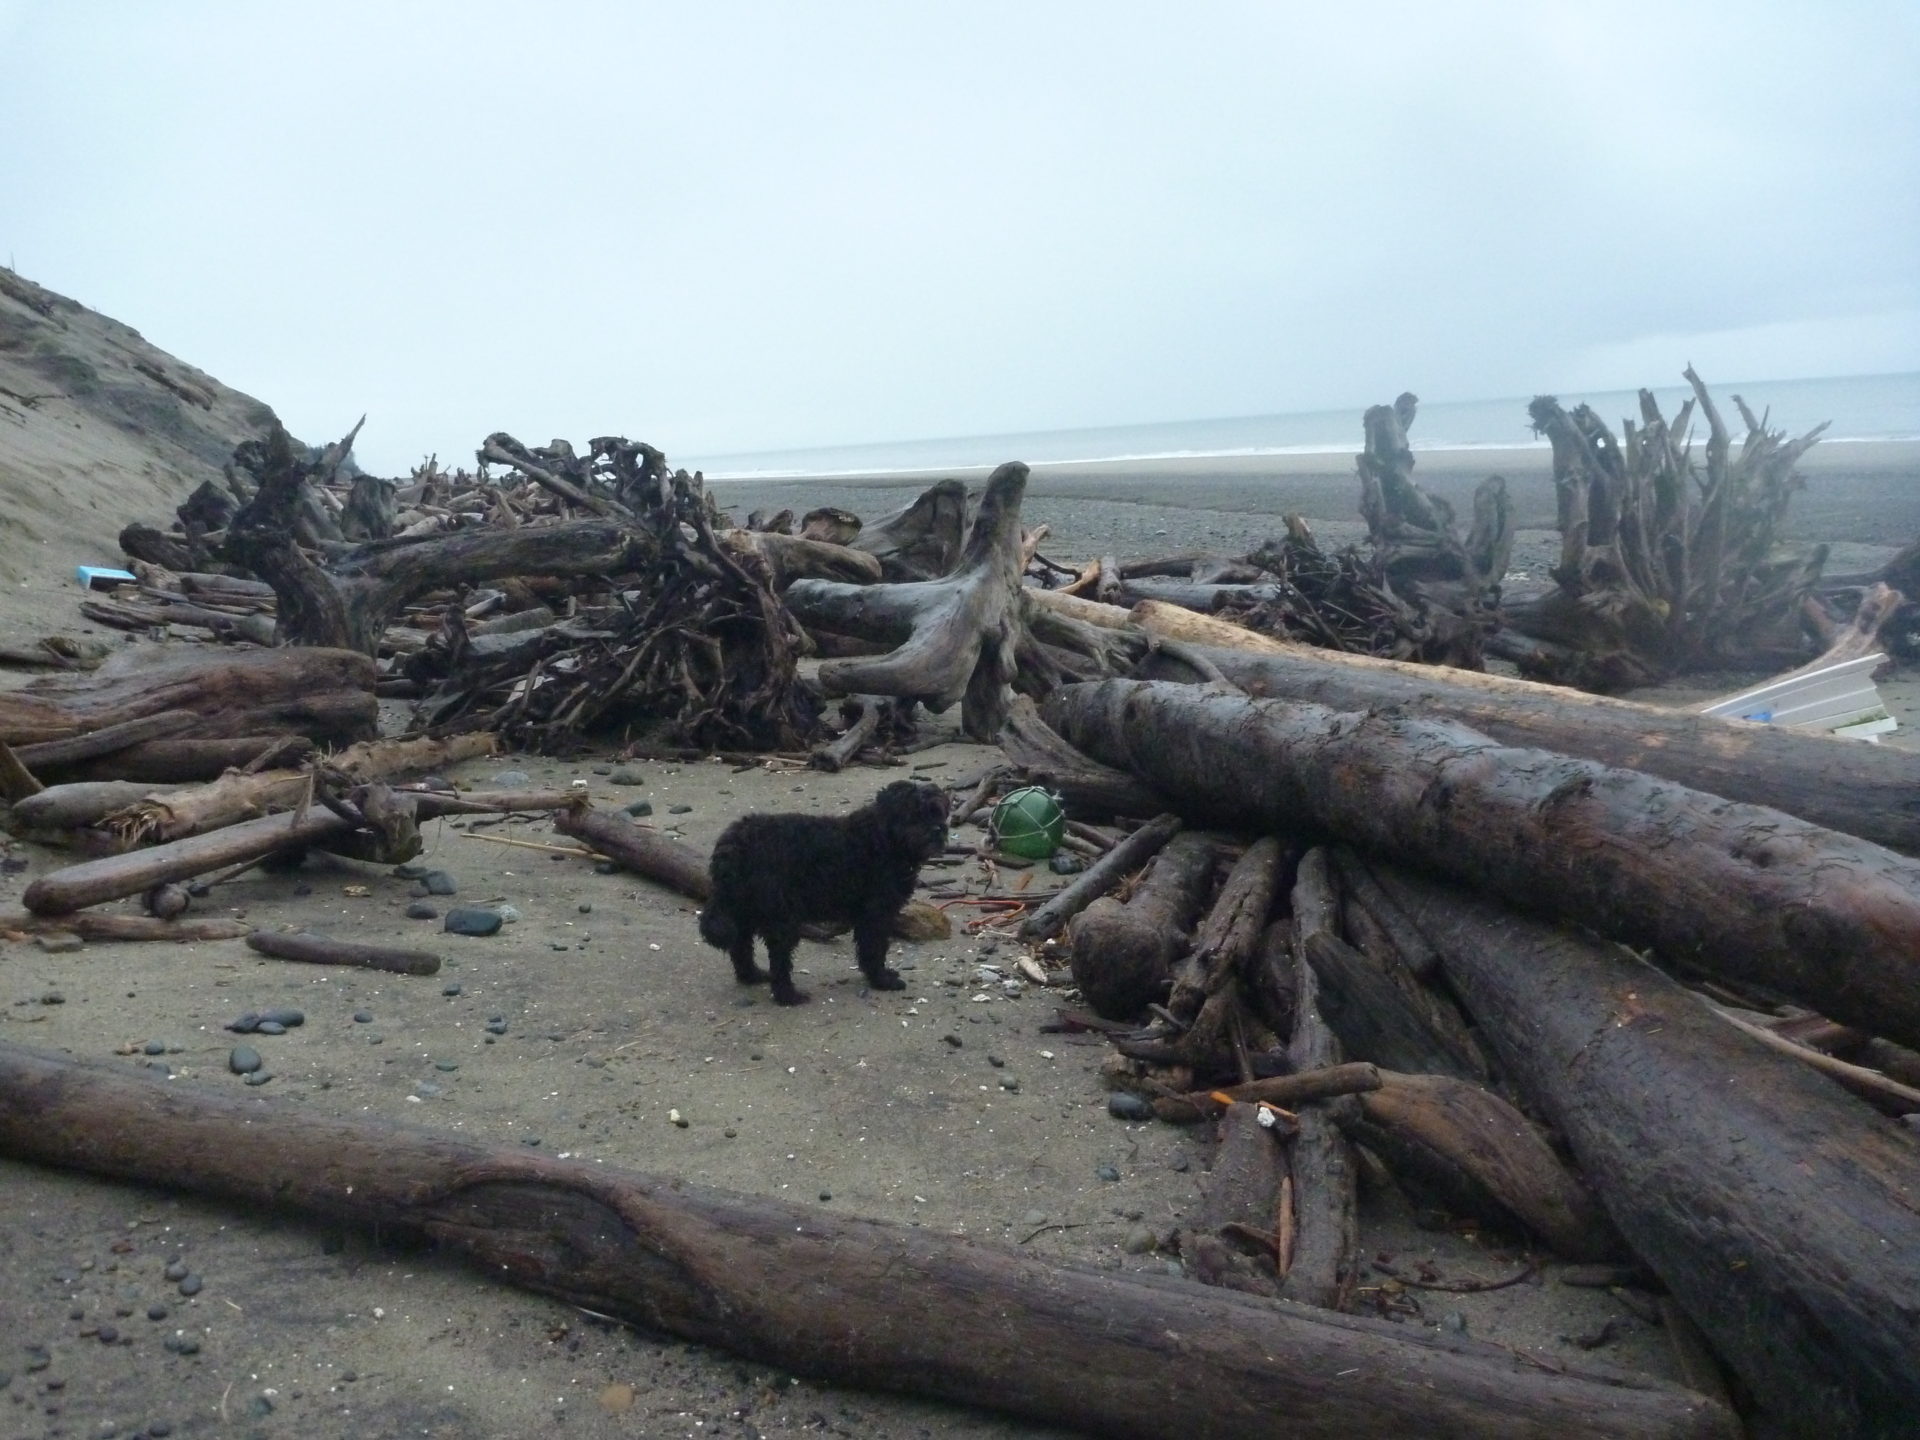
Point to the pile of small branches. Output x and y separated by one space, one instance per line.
692 642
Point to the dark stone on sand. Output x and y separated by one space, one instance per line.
286 1015
58 942
159 1429
363 1017
639 808
472 920
412 870
191 1284
452 987
679 809
269 1027
244 1060
158 1312
1125 1106
421 910
1106 1172
512 780
258 1077
954 1040
246 1024
108 1334
629 775
53 997
176 1270
996 1062
438 882
585 907
496 1027
1066 862
447 1065
155 1047
605 867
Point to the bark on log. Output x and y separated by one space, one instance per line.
1747 893
857 1302
797 557
1778 1209
326 695
839 752
324 950
1326 1174
1122 953
68 807
1100 877
51 755
1388 932
1382 1013
1865 790
1088 788
955 636
1324 1082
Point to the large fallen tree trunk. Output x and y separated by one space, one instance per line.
1872 791
955 636
1783 1214
858 1302
1742 891
326 695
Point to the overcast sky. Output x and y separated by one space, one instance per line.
733 227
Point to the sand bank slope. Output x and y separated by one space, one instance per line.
97 428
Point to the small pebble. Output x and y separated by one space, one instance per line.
191 1285
438 882
412 870
585 907
1065 862
244 1060
452 987
157 1312
1106 1172
269 1027
1453 1320
286 1016
1034 1217
605 867
245 1025
512 780
509 915
954 1040
1009 1084
996 1062
1139 1240
108 1334
679 809
826 1195
176 1270
155 1047
1180 1164
448 1066
421 910
363 1017
159 1429
496 1027
427 1090
436 782
58 942
639 809
53 997
258 1077
472 920
1123 1105
628 775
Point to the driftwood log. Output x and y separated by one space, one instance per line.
1778 1209
326 695
1741 891
1122 951
1864 790
955 636
858 1302
1100 877
921 541
325 950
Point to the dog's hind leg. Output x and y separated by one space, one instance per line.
870 934
741 953
781 940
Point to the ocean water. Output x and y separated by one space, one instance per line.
1860 407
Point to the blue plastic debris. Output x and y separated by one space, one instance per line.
102 577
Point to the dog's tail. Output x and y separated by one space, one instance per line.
718 928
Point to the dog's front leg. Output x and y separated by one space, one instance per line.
781 940
870 934
741 953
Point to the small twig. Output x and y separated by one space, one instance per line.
1459 1287
1052 1225
573 850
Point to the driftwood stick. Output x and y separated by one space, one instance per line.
1882 1091
859 1302
1325 1172
1287 1091
57 754
16 781
837 753
89 926
114 876
1100 877
1123 953
322 950
658 857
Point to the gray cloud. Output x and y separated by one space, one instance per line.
728 227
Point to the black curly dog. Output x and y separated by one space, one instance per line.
773 873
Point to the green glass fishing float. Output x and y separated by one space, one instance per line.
1029 823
